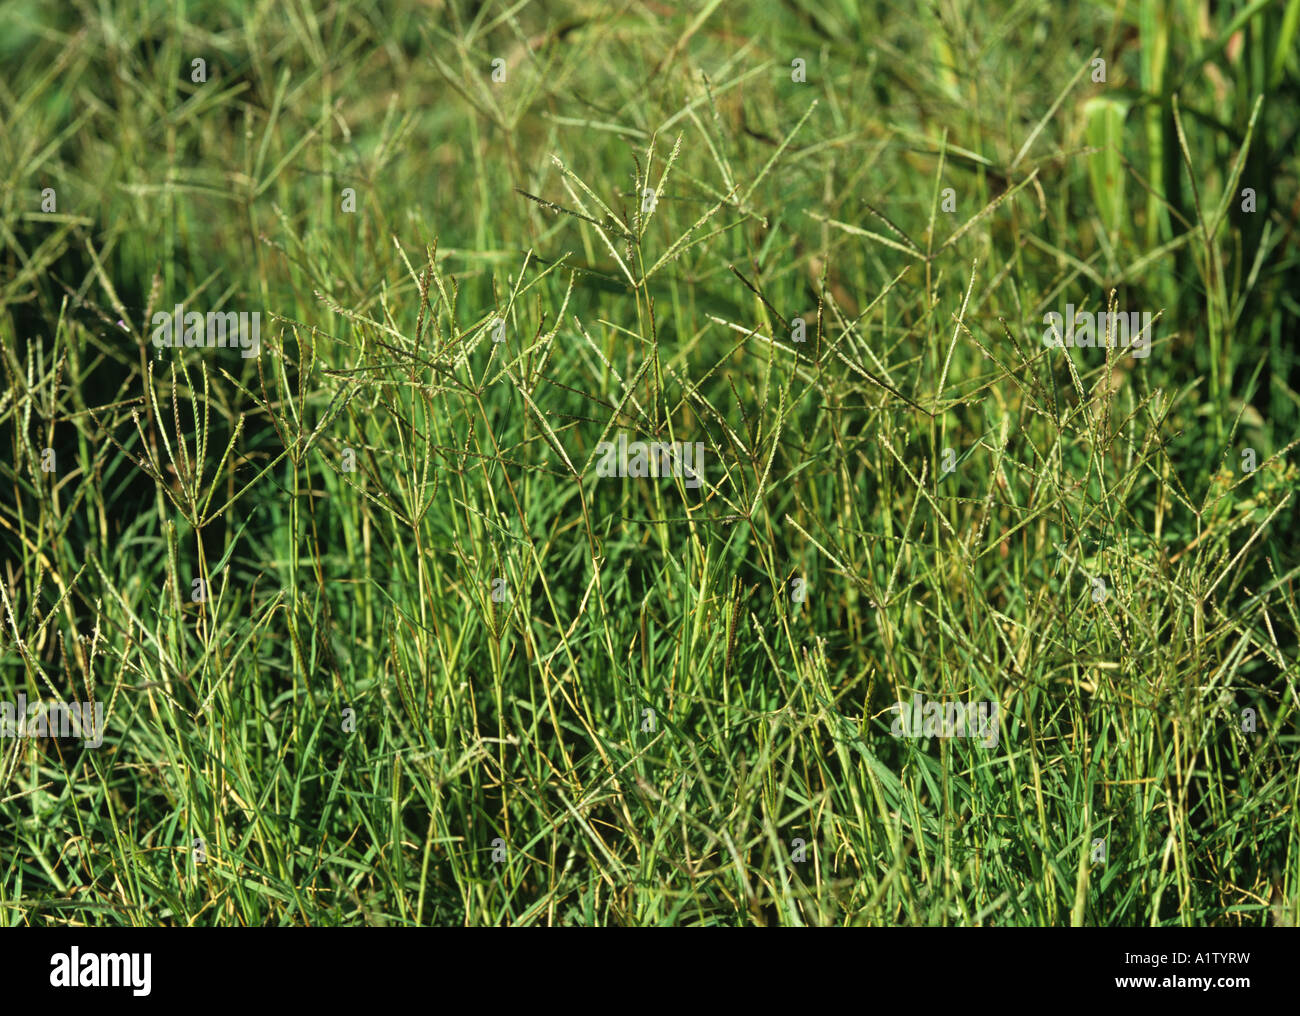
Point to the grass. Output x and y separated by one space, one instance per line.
377 645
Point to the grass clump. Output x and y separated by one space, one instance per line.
377 643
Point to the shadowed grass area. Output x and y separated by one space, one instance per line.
377 641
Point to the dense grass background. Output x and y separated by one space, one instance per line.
1099 560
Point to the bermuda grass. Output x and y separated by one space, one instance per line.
380 640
